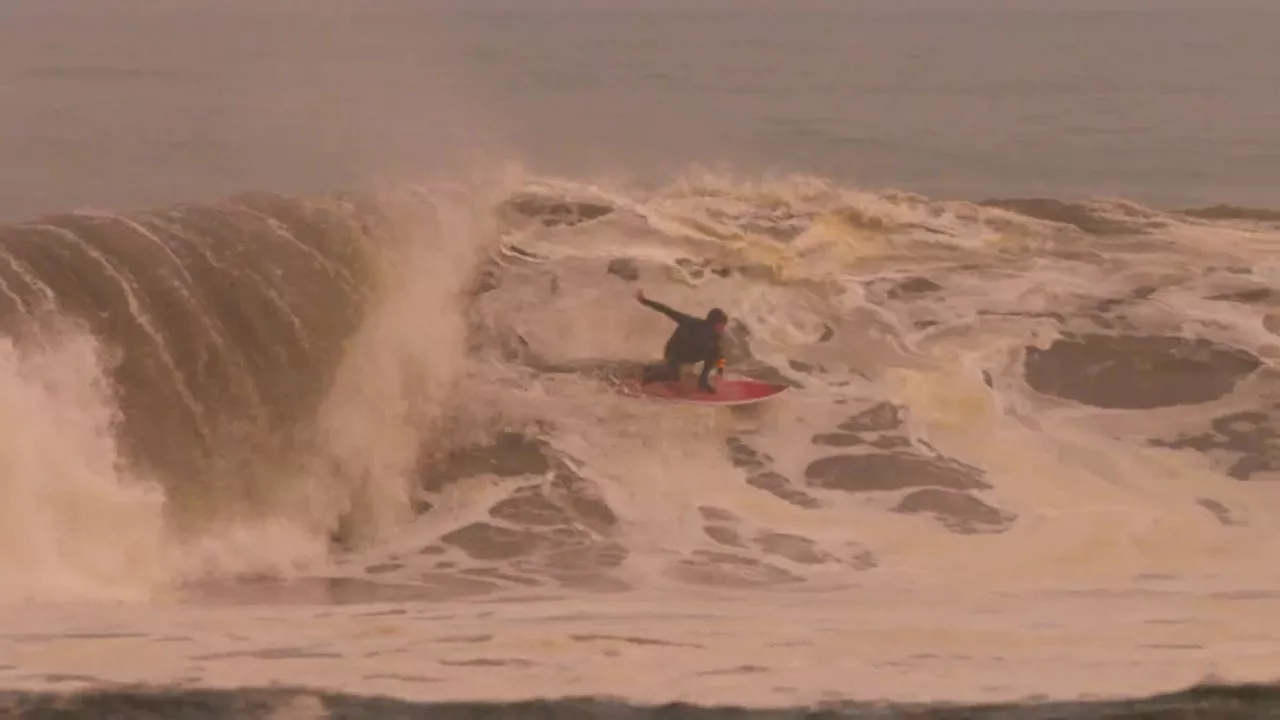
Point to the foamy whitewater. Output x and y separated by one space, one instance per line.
374 445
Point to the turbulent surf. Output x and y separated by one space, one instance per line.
375 398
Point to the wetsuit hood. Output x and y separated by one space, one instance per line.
717 316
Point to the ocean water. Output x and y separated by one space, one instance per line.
312 317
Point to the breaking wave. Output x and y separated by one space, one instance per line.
410 395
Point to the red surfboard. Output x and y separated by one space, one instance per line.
737 391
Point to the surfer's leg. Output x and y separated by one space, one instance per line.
646 377
664 372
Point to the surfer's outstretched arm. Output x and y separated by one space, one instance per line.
669 312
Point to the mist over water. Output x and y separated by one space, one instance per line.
367 423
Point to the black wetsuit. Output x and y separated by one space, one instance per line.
695 340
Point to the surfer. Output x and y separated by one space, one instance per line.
695 340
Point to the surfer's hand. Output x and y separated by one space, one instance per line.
640 295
